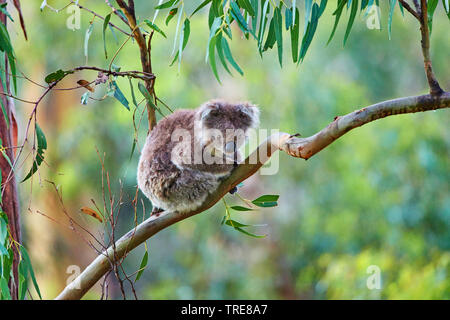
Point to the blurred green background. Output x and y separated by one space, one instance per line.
377 196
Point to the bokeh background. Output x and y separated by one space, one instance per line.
378 196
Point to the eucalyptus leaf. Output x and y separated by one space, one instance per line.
105 24
41 146
144 262
155 27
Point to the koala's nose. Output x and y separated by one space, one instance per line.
229 147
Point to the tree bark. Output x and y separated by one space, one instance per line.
9 196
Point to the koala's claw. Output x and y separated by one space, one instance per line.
234 190
156 211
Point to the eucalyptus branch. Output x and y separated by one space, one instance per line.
145 53
435 88
409 9
116 12
145 76
296 147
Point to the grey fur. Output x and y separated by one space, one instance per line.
167 173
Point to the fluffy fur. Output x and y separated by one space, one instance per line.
173 171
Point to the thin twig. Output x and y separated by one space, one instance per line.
409 9
99 16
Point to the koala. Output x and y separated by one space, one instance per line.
189 152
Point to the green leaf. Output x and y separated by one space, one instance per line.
240 208
392 4
3 250
245 4
271 38
267 197
186 31
337 13
56 76
234 224
254 4
369 6
212 32
220 52
155 27
165 5
229 56
288 18
212 56
266 201
6 13
145 92
262 24
236 14
432 4
133 96
6 264
41 146
323 5
144 262
5 45
105 24
172 13
133 147
278 22
217 6
446 5
204 3
184 37
217 22
118 94
351 19
310 30
29 266
5 295
148 97
3 230
295 29
23 274
249 233
308 6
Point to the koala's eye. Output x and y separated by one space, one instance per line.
229 147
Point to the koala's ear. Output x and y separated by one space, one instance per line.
251 111
208 110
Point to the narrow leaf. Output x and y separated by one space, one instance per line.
351 19
144 262
105 24
41 146
155 27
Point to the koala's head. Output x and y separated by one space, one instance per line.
226 124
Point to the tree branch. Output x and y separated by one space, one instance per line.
296 147
435 89
129 12
409 9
